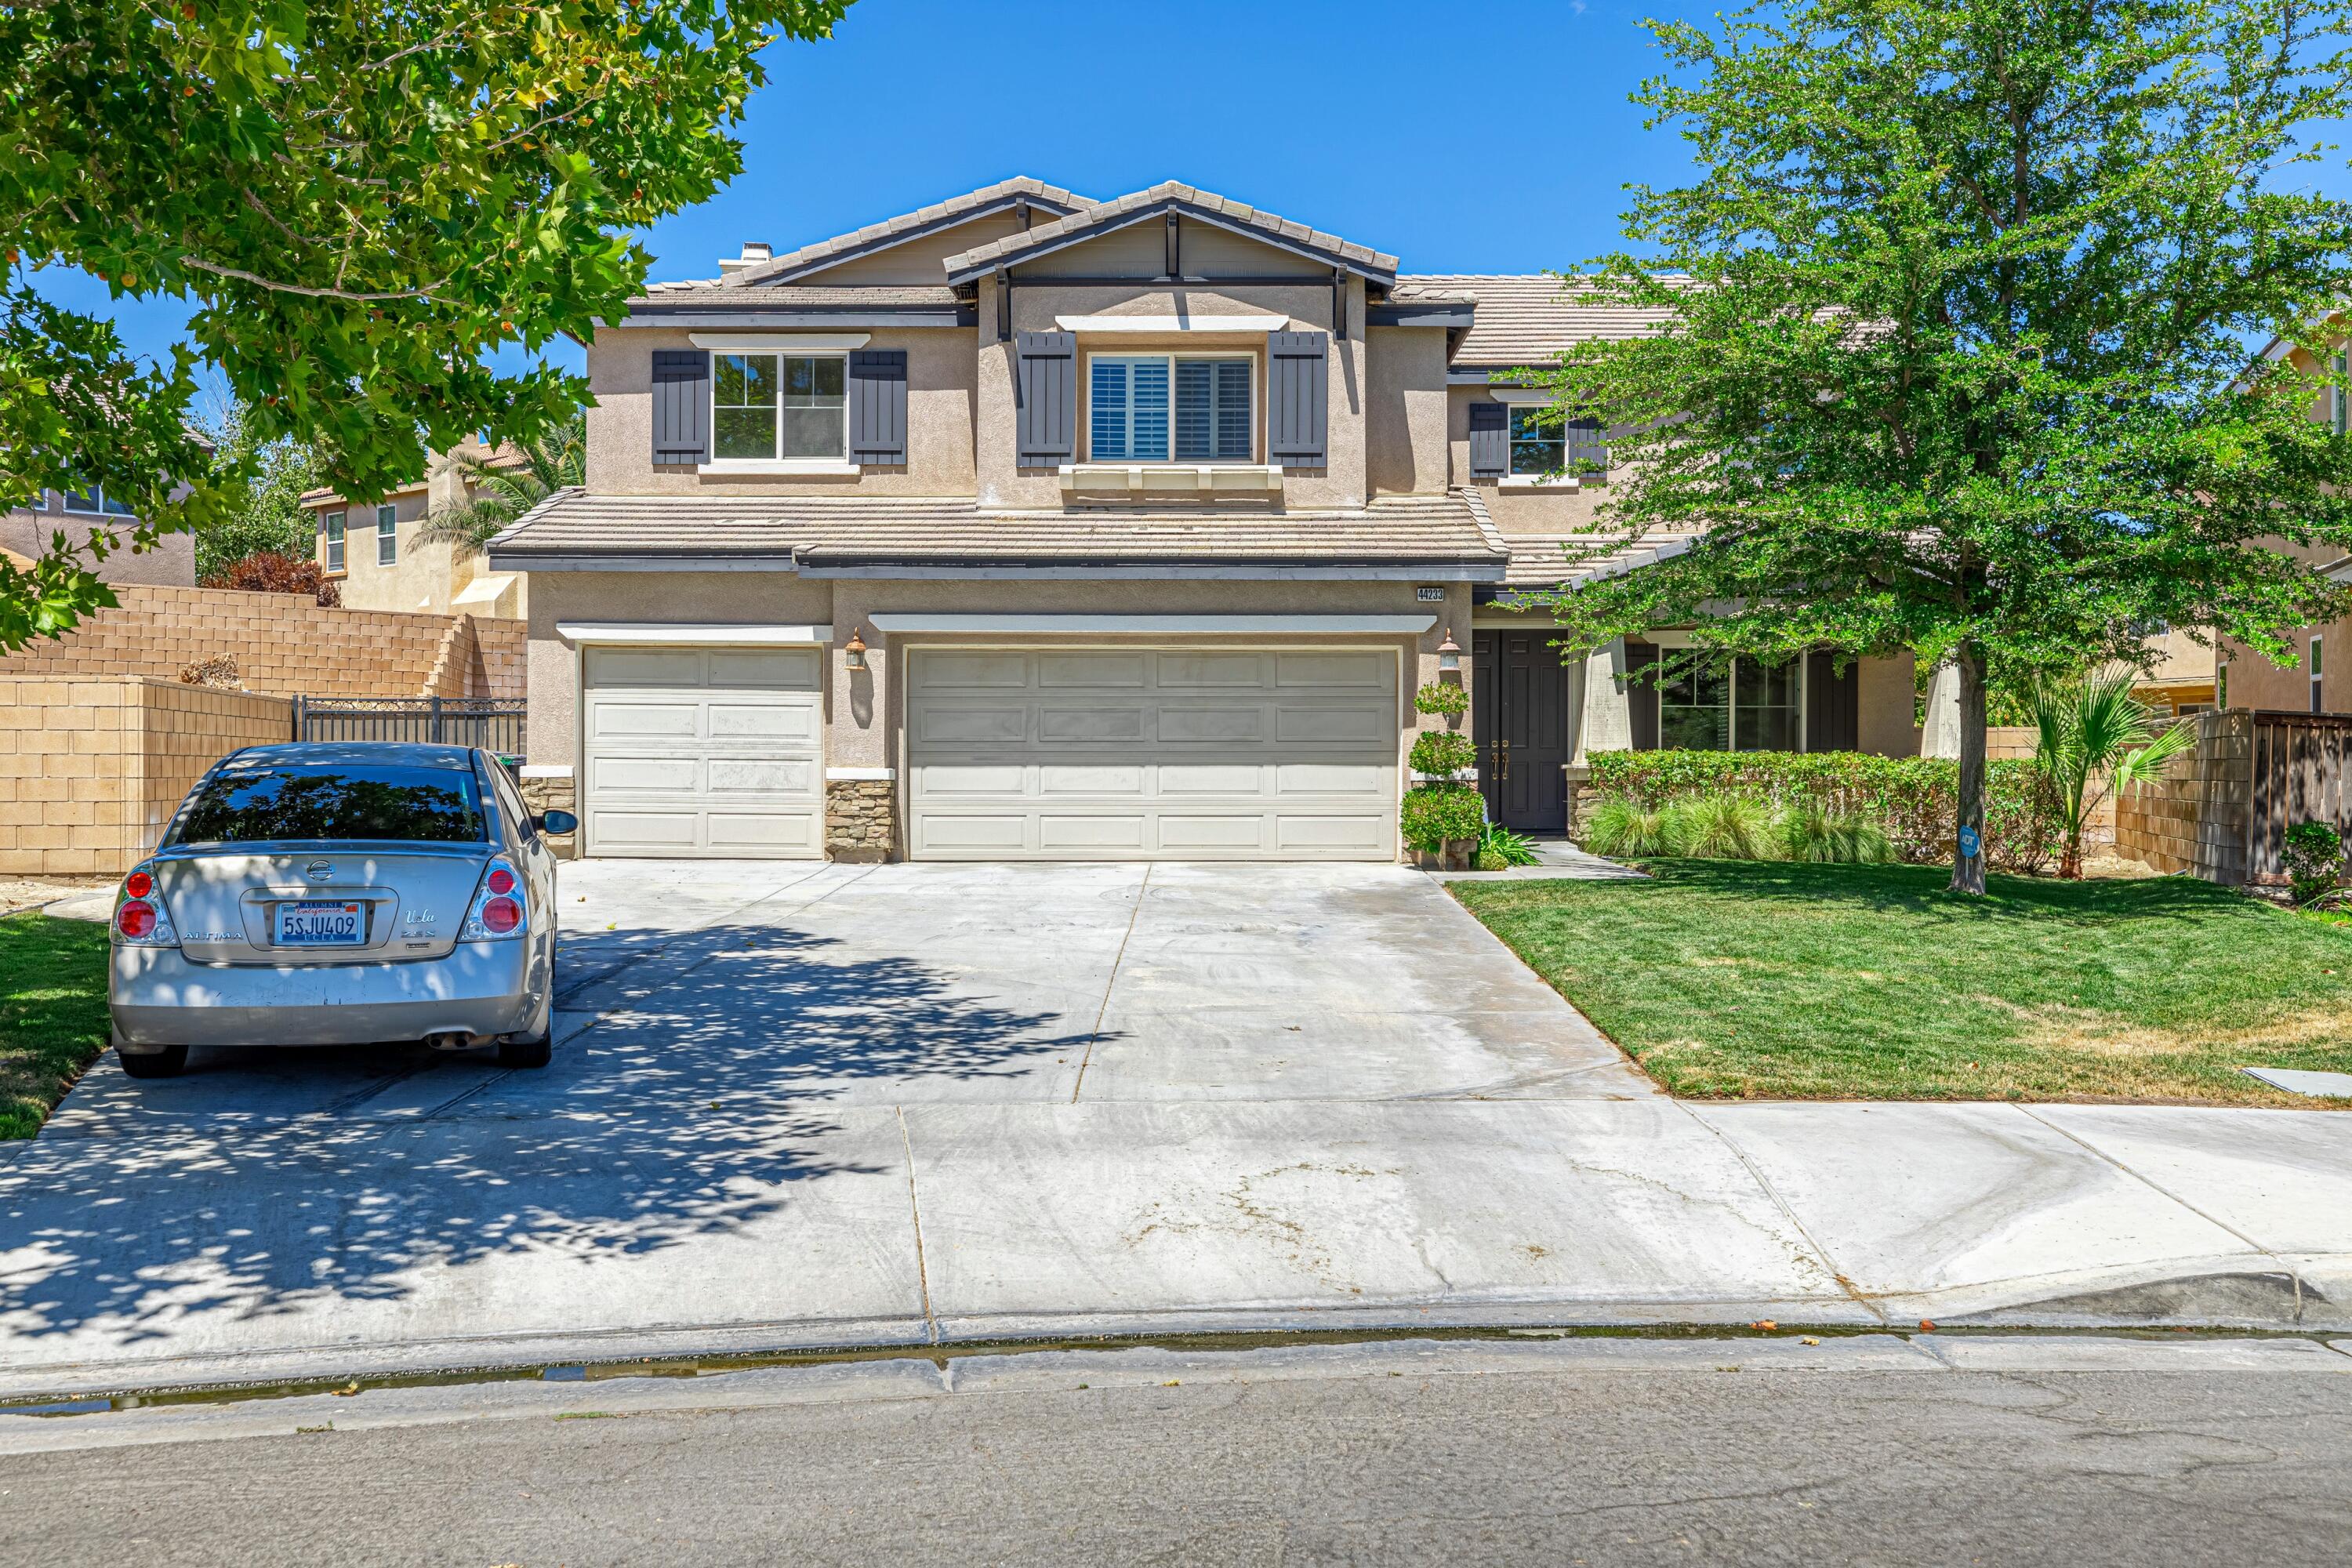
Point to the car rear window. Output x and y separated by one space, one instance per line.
277 802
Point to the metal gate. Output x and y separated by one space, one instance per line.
492 723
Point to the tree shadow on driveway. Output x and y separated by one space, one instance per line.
745 1101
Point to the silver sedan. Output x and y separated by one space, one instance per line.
339 894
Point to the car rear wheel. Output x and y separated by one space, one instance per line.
165 1063
529 1051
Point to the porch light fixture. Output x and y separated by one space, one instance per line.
1449 653
855 650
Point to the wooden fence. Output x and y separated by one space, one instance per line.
2223 812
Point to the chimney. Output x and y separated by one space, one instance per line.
755 251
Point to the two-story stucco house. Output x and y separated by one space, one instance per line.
27 532
379 561
1029 526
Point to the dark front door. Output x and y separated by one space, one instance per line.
1519 719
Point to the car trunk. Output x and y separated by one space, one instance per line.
357 903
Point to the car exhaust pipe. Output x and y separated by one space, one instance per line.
450 1040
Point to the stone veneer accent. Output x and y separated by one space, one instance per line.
545 794
861 820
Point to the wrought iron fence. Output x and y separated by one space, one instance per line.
493 723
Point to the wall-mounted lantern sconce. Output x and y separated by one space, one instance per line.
1449 655
855 650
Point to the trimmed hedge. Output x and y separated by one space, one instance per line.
1914 799
1433 815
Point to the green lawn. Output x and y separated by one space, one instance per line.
1737 979
52 1013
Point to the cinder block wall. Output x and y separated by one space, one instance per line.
2195 820
283 643
93 769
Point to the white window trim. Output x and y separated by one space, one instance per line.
2318 672
780 343
383 535
1257 410
782 349
98 508
334 531
1731 697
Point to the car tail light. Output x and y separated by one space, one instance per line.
141 919
497 914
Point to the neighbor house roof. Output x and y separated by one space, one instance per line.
1526 318
906 226
507 455
1135 208
1448 529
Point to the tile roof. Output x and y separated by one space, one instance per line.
724 292
1526 319
1134 206
1548 560
841 531
954 209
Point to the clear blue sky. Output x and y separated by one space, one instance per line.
1491 136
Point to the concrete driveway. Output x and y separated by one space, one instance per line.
825 1105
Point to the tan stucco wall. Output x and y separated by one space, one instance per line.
419 579
171 561
940 413
1404 428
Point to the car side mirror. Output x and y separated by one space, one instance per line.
555 822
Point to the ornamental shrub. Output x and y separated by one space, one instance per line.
1444 752
1446 698
2314 853
1914 800
1622 827
1433 815
1722 827
1829 837
1499 848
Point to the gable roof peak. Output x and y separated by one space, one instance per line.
1101 217
906 226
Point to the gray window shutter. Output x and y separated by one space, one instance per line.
681 407
1297 392
1640 684
877 405
1490 440
1046 392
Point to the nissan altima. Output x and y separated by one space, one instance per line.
340 894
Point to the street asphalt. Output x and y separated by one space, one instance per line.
1882 1450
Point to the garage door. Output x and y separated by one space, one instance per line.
1151 754
703 751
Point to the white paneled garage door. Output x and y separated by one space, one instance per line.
1101 754
703 750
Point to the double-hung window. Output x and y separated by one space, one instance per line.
1158 408
388 537
1733 705
333 525
2318 646
1542 445
96 502
779 405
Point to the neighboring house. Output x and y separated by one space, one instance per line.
1027 526
2320 681
374 554
26 534
2182 678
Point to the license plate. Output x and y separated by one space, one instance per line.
322 922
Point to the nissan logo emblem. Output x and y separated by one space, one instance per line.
320 871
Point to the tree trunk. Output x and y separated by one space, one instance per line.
1968 870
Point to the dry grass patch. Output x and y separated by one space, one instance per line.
1780 980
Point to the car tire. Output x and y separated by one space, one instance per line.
165 1063
527 1051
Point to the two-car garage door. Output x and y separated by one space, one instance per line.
703 751
1126 753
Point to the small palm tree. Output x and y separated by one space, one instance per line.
501 492
2091 727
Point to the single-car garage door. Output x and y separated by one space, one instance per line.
703 750
1101 754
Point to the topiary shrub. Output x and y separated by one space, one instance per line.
1443 697
1443 752
1436 814
2314 853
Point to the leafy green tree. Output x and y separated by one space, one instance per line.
501 492
260 484
365 202
1958 314
2094 739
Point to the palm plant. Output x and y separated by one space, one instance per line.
2096 739
497 493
